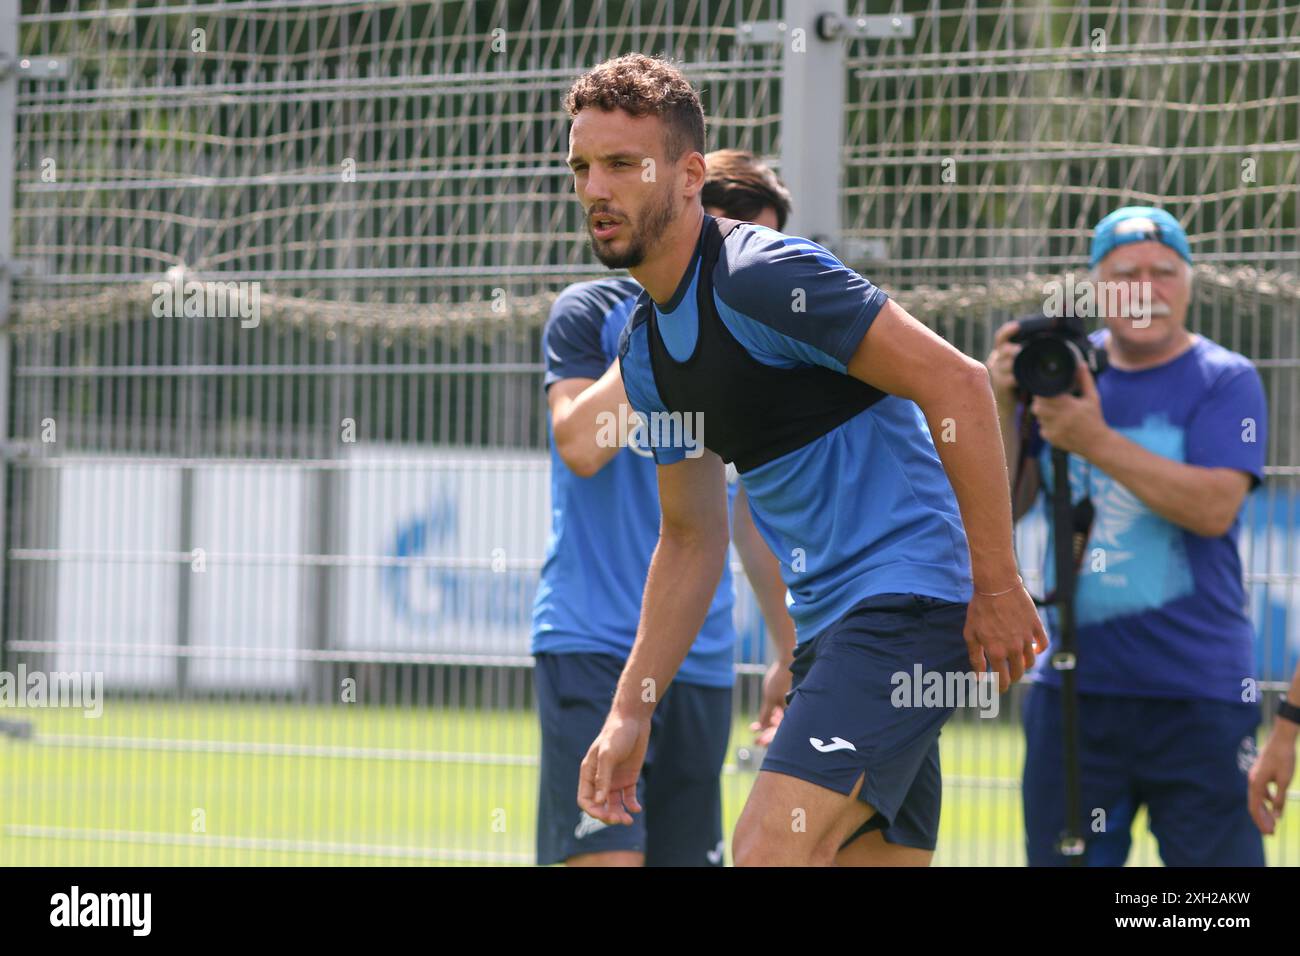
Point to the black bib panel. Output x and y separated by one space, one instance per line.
753 413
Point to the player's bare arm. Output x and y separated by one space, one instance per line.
683 577
902 357
763 571
576 406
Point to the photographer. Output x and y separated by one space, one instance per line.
1166 443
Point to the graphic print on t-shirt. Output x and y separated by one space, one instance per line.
1135 560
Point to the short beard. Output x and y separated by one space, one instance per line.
655 219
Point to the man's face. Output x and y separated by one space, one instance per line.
1163 275
626 186
765 218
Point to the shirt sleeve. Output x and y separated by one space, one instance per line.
790 302
571 339
1229 428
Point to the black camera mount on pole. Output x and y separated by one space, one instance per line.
1053 349
1071 843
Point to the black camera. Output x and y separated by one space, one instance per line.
1053 349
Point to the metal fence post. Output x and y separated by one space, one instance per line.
8 164
185 582
812 120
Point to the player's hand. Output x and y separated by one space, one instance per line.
776 684
999 364
609 772
1269 779
1004 634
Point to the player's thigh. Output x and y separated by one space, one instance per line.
683 789
1194 779
612 858
788 821
909 838
844 731
872 849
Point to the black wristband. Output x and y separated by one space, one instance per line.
1288 711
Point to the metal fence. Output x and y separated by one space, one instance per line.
274 447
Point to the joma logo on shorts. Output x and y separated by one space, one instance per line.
587 826
837 743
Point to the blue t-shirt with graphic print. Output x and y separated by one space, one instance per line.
861 510
604 528
1161 611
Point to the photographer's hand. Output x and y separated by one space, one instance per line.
1073 423
1201 499
1000 363
1006 394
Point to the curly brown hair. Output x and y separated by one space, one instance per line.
641 85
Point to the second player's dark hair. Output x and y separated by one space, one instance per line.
742 186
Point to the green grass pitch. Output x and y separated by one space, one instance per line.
164 783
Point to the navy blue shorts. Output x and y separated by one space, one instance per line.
680 791
844 718
1187 760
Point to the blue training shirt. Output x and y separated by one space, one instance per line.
865 508
1161 611
604 528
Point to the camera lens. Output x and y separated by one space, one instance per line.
1046 366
